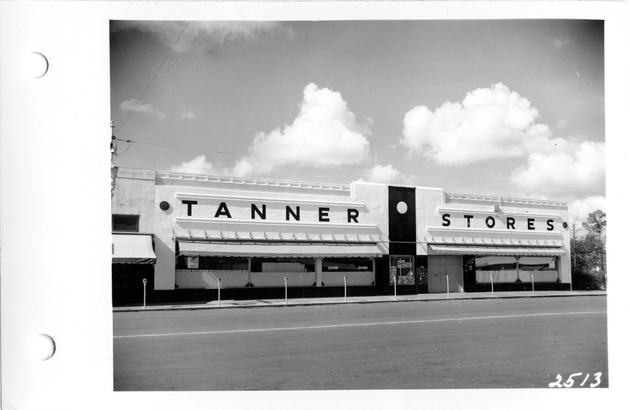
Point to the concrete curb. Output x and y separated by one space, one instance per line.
244 304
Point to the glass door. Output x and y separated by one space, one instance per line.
401 270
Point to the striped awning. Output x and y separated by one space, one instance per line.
132 249
496 250
272 250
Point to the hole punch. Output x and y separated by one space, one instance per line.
34 65
42 347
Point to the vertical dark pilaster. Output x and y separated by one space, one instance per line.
402 221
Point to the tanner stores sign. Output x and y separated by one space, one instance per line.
258 211
490 222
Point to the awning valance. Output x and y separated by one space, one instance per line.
496 250
132 249
272 250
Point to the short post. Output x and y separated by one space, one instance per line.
144 293
219 290
448 295
395 282
532 275
345 290
285 291
492 285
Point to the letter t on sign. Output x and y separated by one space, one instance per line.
190 204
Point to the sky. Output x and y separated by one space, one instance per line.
510 108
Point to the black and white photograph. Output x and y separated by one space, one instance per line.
279 188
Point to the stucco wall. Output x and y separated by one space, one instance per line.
375 196
134 194
428 200
140 192
208 214
532 221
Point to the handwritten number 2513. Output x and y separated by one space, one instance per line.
569 382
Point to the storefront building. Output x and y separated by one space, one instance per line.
188 235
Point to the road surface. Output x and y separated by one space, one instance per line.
491 343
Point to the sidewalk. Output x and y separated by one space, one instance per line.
230 304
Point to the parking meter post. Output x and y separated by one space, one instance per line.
285 291
219 290
448 294
492 285
345 292
532 275
144 293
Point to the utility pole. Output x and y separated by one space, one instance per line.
112 150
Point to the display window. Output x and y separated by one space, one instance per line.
497 269
283 265
540 268
510 269
213 263
347 265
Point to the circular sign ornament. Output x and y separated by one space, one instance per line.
565 225
401 207
164 205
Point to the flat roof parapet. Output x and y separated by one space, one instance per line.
504 200
263 182
133 173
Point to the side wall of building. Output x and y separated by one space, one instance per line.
134 194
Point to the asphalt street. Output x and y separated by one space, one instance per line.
452 344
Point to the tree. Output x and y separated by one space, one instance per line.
588 253
596 222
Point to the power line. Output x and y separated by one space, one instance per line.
154 75
316 163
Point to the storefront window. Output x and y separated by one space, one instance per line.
347 265
497 269
542 268
284 265
508 269
213 263
125 223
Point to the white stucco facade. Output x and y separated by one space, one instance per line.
228 217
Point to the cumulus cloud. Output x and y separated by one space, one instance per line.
135 106
580 208
574 168
496 123
325 133
198 165
489 123
199 34
384 174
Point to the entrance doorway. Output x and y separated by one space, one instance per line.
402 274
446 273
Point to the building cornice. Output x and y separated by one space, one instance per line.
261 182
502 200
269 200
